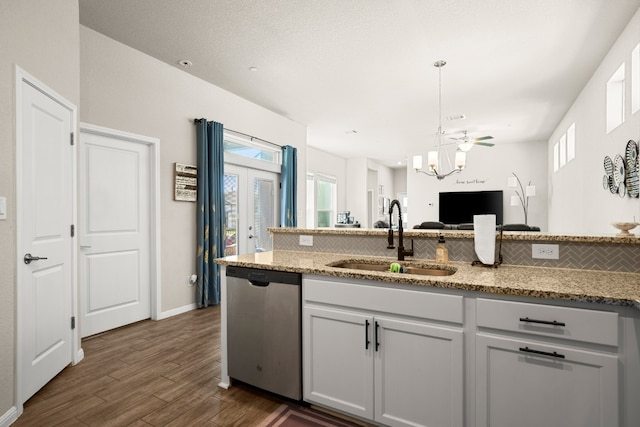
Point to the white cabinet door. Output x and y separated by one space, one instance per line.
418 374
563 387
338 361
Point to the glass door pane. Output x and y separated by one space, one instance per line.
263 213
251 207
231 196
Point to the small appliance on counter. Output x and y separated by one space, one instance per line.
346 220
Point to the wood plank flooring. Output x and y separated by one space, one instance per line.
150 373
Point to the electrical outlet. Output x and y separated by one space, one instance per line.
306 240
540 251
192 279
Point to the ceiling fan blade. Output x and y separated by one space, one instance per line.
482 138
484 144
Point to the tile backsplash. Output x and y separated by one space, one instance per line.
581 255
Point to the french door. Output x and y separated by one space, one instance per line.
251 207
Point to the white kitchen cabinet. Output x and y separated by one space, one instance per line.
338 364
541 365
418 371
564 387
394 370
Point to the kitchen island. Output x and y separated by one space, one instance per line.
606 287
513 345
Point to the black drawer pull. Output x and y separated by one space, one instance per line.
366 335
542 353
542 322
377 342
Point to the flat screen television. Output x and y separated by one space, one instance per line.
459 207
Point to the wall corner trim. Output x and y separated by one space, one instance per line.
9 417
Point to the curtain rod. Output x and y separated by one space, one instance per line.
253 137
243 134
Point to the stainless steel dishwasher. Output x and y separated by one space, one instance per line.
264 329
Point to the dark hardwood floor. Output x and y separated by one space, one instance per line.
162 373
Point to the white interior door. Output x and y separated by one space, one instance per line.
251 207
45 164
114 232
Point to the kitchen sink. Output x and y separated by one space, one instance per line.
423 270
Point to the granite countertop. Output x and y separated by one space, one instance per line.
605 287
463 234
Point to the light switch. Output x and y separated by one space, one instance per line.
3 208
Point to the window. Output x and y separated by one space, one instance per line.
326 201
571 142
565 149
615 99
321 200
251 147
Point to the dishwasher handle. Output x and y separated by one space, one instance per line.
260 283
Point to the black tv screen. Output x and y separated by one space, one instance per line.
459 207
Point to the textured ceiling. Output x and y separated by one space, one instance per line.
513 66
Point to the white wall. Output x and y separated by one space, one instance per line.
319 161
385 178
357 188
578 202
487 169
125 89
373 193
400 179
42 38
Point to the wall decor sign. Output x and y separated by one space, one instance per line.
621 172
186 183
471 181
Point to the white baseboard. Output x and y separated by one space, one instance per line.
79 357
176 311
9 417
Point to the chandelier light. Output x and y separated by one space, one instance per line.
438 160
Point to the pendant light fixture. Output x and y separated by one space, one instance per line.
436 159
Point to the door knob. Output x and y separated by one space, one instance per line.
28 258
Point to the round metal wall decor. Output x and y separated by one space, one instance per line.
622 174
632 180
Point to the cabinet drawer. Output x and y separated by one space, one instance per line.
422 304
599 327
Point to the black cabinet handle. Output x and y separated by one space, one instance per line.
366 334
542 322
377 342
541 353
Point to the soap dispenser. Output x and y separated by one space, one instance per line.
442 253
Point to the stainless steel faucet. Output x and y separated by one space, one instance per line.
401 250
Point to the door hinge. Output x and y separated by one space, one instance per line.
73 322
72 142
73 230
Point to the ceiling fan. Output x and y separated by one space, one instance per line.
465 143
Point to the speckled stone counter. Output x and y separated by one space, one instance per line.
605 287
461 234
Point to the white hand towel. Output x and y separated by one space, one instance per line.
484 230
